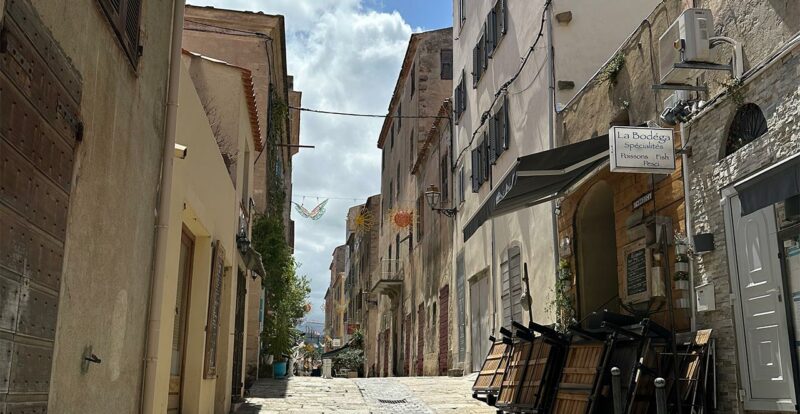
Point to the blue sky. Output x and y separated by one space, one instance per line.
345 55
427 14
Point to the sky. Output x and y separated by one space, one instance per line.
345 55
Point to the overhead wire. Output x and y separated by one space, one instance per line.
504 88
321 111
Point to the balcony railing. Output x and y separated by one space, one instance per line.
390 279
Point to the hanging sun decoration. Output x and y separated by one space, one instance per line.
401 218
315 214
364 221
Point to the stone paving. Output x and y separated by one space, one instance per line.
364 396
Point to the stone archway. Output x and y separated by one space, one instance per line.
597 279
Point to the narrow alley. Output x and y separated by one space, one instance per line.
419 395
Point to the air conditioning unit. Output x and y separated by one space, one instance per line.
686 41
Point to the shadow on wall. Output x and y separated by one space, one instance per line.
788 12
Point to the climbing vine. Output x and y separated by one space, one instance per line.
286 291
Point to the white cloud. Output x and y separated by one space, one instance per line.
344 57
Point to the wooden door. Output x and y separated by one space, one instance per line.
40 94
179 327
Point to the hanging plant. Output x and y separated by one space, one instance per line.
561 304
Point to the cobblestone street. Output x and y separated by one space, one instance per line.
364 395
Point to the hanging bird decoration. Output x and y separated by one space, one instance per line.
315 214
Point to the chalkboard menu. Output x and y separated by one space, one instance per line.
214 299
637 264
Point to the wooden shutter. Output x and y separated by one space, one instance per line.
487 167
502 18
476 171
476 66
124 18
490 29
506 126
492 153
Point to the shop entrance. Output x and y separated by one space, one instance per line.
479 320
179 327
597 282
762 322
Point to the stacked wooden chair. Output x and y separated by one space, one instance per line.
487 385
533 369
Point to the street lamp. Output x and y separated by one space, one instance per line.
433 196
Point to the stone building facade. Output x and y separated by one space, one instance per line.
432 253
424 82
714 168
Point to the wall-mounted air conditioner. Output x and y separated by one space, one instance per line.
686 41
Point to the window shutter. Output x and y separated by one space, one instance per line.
475 171
487 168
446 60
476 66
492 140
503 17
506 126
489 32
124 18
484 55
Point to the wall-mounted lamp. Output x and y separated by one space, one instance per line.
434 197
181 151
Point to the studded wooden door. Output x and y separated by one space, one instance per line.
39 125
444 327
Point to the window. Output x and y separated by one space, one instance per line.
124 18
399 116
411 151
475 170
413 79
479 58
462 185
512 287
748 124
391 193
460 98
496 24
397 248
420 217
399 178
445 178
446 63
499 131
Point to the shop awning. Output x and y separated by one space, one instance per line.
540 177
777 183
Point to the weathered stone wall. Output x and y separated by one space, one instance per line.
777 93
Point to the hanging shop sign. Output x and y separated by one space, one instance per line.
642 150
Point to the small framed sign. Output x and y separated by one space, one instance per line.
637 265
642 150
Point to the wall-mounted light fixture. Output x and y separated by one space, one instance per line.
703 243
434 197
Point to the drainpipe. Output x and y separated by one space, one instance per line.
689 224
551 112
165 190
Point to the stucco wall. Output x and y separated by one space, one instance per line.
109 241
204 201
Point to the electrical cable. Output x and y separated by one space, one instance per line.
504 88
320 111
243 32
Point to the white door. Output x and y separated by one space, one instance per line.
479 321
763 310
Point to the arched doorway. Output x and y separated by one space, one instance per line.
597 281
